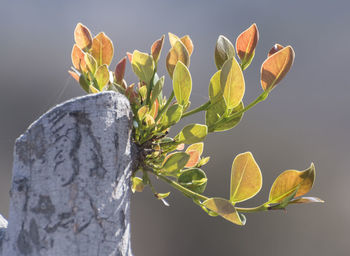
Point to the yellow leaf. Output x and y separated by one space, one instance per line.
82 37
289 180
246 178
102 76
143 66
93 89
102 49
186 40
177 53
91 63
246 43
182 83
275 68
225 209
197 146
216 89
137 184
142 112
232 80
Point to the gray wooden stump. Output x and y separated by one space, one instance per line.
70 191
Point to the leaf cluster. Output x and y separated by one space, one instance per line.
154 115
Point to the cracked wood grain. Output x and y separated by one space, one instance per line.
70 192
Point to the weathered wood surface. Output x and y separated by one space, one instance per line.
70 191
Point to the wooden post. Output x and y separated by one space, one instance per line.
70 193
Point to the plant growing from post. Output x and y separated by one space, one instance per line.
154 115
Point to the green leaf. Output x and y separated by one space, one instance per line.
214 112
174 163
177 53
182 83
246 178
224 50
217 110
232 79
192 133
137 184
194 179
203 161
84 83
225 209
172 116
91 63
102 76
216 89
289 180
157 89
143 66
162 195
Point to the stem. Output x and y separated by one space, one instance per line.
261 97
172 95
259 208
184 190
196 110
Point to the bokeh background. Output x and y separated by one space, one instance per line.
306 118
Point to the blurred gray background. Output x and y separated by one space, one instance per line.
306 118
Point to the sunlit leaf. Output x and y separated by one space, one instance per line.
143 66
194 158
129 55
216 89
120 71
149 120
74 75
93 89
197 147
224 51
274 49
172 39
182 83
246 178
102 76
141 113
289 180
225 209
304 200
82 37
194 179
154 109
91 63
213 113
102 49
186 40
245 45
174 163
78 58
143 92
157 48
172 115
275 67
162 195
203 161
157 89
232 80
177 53
137 184
192 133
